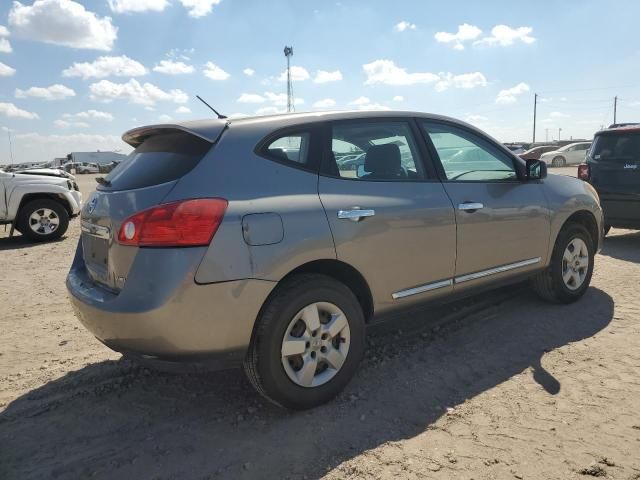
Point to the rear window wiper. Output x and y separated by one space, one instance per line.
103 181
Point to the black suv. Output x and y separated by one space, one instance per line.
613 168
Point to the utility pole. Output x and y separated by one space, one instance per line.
535 105
615 109
559 130
288 52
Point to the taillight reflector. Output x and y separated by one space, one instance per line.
187 223
584 172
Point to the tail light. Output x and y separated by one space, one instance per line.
584 172
187 223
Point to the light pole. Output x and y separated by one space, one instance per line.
10 146
559 130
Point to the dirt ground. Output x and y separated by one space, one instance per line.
500 387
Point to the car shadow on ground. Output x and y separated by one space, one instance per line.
19 242
623 245
116 420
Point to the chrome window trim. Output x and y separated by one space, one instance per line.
493 271
95 230
421 289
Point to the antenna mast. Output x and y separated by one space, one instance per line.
288 52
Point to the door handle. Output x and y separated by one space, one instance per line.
470 206
355 214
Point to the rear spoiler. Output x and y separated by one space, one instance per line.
209 130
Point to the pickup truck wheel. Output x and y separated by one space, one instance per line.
569 275
42 220
308 342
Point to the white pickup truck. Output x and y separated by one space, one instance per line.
39 202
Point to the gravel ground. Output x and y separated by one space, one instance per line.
502 386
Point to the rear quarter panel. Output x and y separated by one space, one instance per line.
566 196
256 185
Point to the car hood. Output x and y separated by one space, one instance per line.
46 172
26 178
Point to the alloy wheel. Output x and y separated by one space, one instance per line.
575 264
315 344
44 221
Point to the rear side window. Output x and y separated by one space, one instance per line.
617 147
160 159
292 147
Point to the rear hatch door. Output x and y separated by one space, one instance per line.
162 156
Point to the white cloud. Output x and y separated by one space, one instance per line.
465 33
386 72
504 35
171 67
146 94
106 66
476 118
270 110
130 6
6 70
398 98
5 45
403 25
53 92
324 103
249 72
10 110
251 98
510 95
199 8
165 118
360 101
280 99
464 80
62 22
214 72
558 115
298 74
89 115
66 124
323 76
183 110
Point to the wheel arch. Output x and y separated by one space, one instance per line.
588 220
344 273
48 196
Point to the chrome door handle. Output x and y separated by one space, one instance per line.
470 206
355 214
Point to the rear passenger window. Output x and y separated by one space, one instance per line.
293 147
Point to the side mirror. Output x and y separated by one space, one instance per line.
536 169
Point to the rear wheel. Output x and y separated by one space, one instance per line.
42 220
569 274
308 342
559 162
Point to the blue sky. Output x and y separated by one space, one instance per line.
76 74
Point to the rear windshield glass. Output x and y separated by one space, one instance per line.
160 159
617 147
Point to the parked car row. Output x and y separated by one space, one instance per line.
571 154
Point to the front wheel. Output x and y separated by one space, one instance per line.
308 342
569 274
42 220
559 162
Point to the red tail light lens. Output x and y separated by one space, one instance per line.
584 172
187 223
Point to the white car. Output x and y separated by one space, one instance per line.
570 154
38 203
87 167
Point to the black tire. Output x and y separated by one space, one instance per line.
33 206
263 364
549 284
559 162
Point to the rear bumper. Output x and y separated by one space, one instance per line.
166 316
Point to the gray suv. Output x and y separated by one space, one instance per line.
274 241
